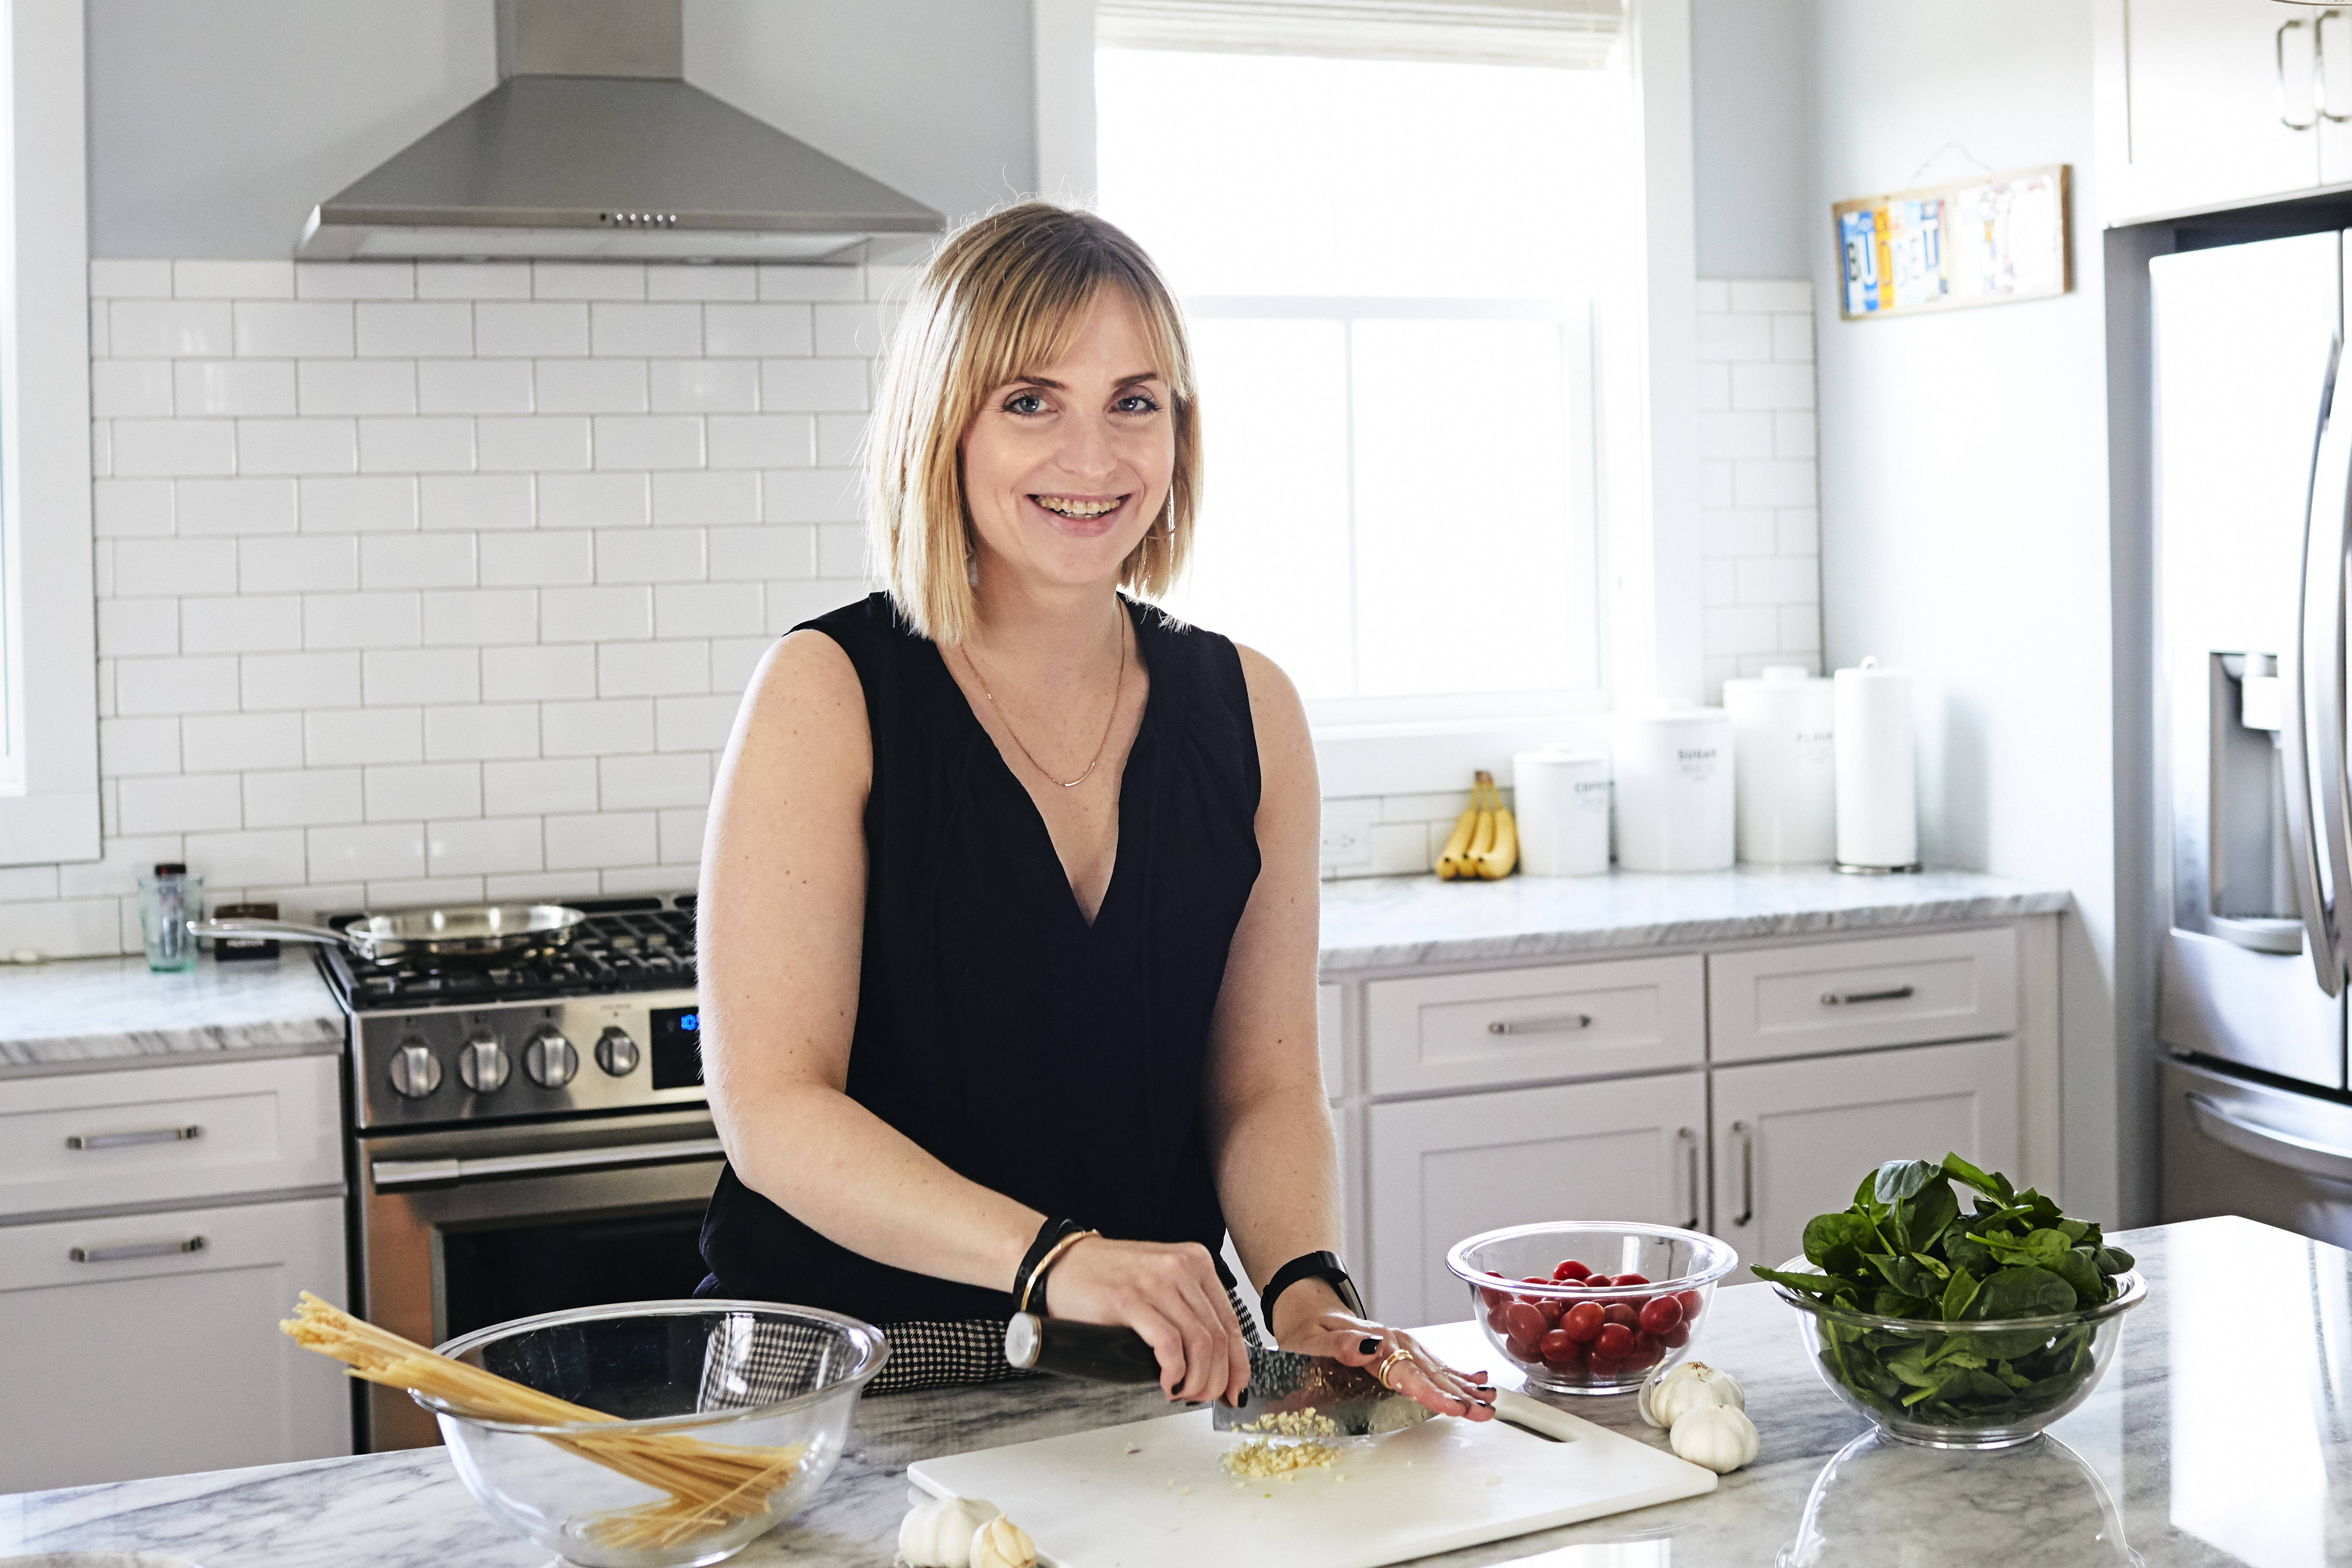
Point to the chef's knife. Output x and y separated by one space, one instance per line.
1280 1381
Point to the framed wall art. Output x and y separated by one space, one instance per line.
1991 241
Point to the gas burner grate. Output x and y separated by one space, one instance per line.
626 946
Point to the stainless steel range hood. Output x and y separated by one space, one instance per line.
593 148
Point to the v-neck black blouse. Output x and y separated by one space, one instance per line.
1056 1062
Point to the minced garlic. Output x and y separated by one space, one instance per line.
1283 1444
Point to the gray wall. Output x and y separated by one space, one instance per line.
1751 125
1964 505
216 125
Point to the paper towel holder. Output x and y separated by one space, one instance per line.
1850 869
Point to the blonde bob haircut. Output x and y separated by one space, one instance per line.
1004 297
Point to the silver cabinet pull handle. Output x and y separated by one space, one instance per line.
2323 99
417 1173
1688 1138
137 1249
2286 104
1747 1136
2271 1145
132 1139
1565 1023
1849 999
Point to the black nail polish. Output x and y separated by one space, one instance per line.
1367 1347
1241 1397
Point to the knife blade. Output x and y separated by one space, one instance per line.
1281 1381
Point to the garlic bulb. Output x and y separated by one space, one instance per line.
1001 1543
939 1533
1688 1387
1714 1435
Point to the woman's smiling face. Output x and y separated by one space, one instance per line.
1066 469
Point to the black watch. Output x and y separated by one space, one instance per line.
1323 1265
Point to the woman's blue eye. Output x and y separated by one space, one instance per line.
1137 403
1024 403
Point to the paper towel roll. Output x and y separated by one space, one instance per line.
1674 790
1561 797
1877 786
1786 767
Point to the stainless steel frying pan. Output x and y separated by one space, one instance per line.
468 930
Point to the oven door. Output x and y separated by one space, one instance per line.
478 1225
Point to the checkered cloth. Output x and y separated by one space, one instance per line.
748 1361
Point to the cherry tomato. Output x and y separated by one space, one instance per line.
1615 1341
1493 1299
1523 1322
1648 1351
1551 1307
1524 1351
1494 1319
1537 1280
1633 1279
1569 1360
1603 1368
1569 1268
1676 1337
1662 1313
1555 1345
1691 1300
1598 1282
1582 1321
1620 1314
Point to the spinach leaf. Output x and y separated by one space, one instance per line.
1995 1186
1901 1179
1835 1242
2023 1292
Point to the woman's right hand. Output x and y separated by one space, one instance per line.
1169 1293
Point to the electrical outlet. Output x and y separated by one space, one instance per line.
1347 833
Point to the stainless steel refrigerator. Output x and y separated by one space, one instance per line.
2254 473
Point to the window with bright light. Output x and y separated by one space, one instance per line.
1389 267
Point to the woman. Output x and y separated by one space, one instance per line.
1008 906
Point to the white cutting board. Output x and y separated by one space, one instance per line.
1151 1494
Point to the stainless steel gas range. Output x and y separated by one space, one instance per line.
526 1134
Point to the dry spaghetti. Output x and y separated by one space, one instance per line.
711 1486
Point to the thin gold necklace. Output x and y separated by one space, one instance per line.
1117 687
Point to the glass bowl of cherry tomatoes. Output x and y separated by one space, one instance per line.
1591 1306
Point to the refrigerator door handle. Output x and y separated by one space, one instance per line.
2268 1144
2317 659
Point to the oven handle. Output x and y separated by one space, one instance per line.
419 1173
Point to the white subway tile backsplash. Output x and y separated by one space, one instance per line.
1800 531
169 567
538 674
636 783
137 447
612 839
361 620
462 846
426 445
397 676
733 659
860 331
176 685
245 859
131 279
694 723
708 609
353 385
414 330
1779 580
1800 628
652 669
649 555
657 441
307 797
1794 294
235 386
1725 339
761 440
234 506
1775 482
703 386
298 680
127 748
595 500
131 388
841 550
190 804
296 447
546 443
1772 386
238 624
596 614
840 439
525 331
682 831
762 550
787 282
366 854
1793 337
355 279
474 387
591 386
811 495
541 784
300 566
169 329
377 504
348 737
475 500
598 729
294 330
813 386
694 282
1729 532
425 890
129 627
121 509
432 789
538 558
756 332
1713 388
473 281
701 500
644 331
481 617
587 281
481 732
790 603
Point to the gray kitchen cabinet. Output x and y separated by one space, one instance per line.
1445 1168
2203 104
147 1344
1792 1137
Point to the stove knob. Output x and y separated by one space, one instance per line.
482 1064
416 1071
616 1053
550 1059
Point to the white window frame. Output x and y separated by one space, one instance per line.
1652 587
46 604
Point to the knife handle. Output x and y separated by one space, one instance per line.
1101 1352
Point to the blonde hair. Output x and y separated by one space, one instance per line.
1004 297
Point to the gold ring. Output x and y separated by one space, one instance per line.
1388 1364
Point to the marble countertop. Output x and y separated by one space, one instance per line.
1378 922
2222 1434
116 1012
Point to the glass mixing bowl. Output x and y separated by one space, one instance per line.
1534 1319
1967 1384
770 1388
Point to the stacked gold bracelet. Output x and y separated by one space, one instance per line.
1032 1279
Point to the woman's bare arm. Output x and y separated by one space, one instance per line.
780 933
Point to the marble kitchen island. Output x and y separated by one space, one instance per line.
2223 1433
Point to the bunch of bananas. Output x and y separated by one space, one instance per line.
1485 843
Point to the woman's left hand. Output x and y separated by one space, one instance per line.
1356 1342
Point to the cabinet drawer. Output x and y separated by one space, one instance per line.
1520 1026
155 1134
1849 996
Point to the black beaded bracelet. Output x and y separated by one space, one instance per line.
1323 1265
1028 1291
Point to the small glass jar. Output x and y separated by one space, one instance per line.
168 901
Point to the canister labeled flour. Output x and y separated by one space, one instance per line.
1674 790
1784 730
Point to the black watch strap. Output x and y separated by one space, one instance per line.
1028 1293
1323 1265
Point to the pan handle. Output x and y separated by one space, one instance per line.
285 930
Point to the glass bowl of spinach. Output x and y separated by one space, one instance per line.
1957 1329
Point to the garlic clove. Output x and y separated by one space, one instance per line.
1001 1543
1714 1435
938 1534
1688 1387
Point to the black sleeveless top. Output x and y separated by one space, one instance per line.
1055 1062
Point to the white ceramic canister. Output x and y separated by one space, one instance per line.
1877 784
1784 732
1559 797
1674 789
